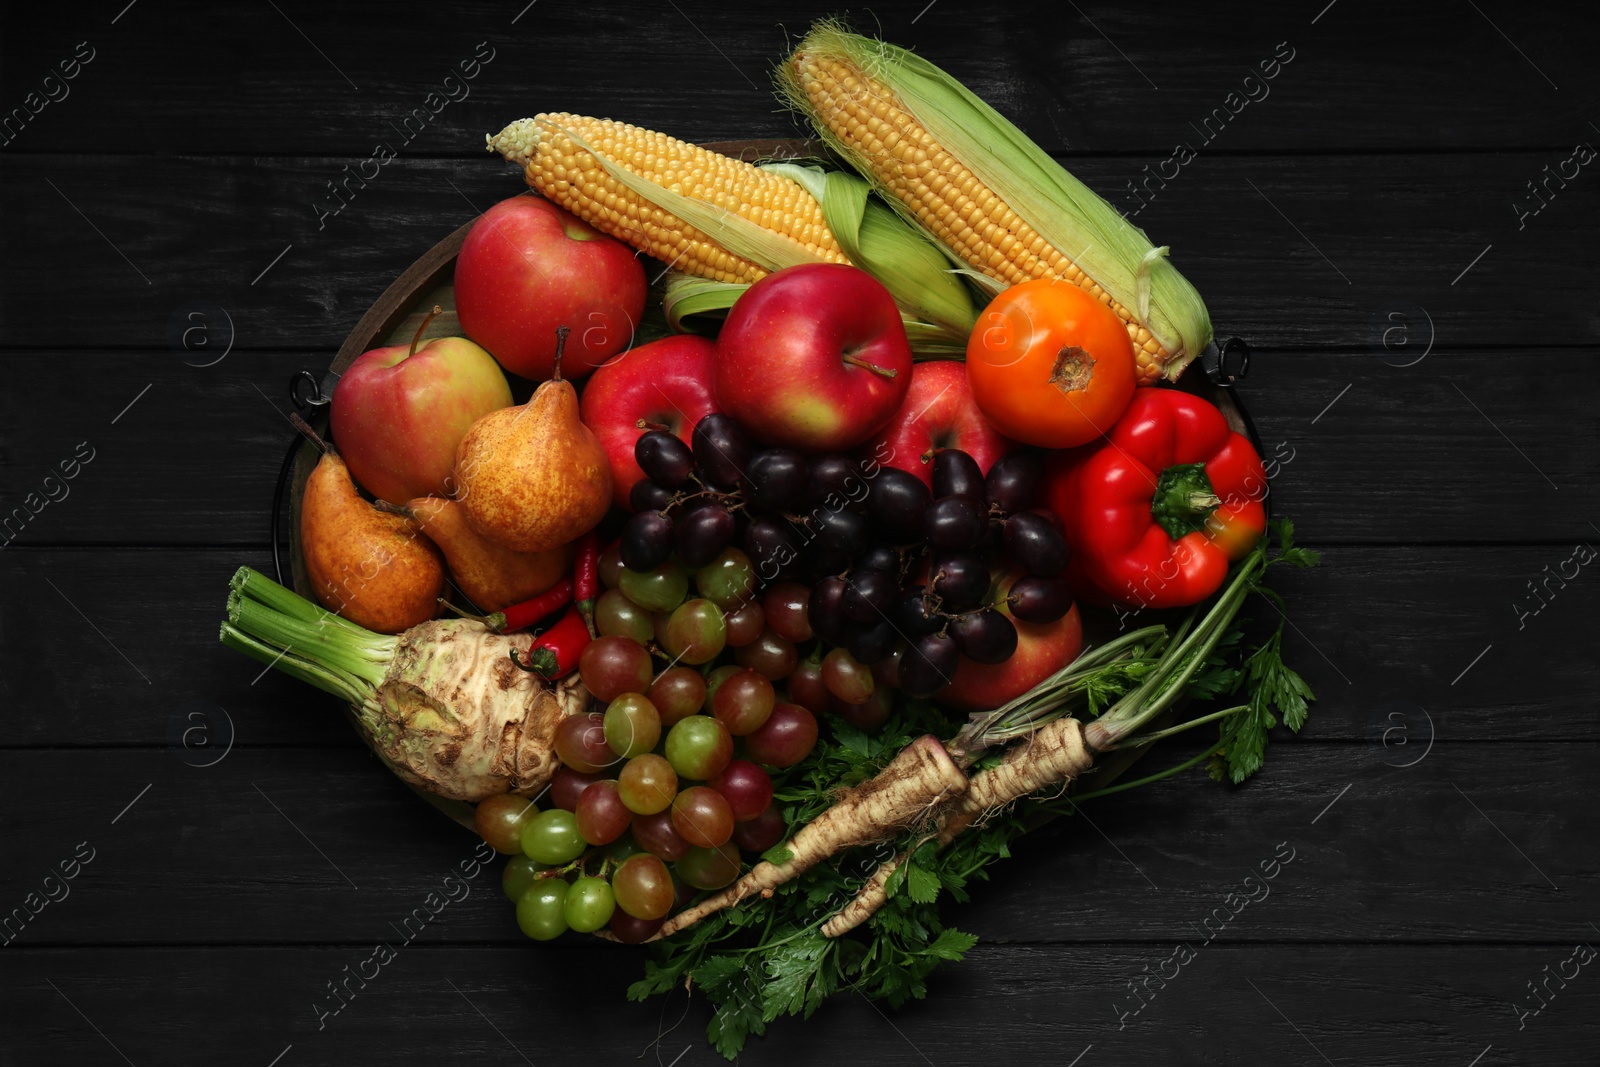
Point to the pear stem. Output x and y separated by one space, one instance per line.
882 372
561 344
416 338
309 434
394 509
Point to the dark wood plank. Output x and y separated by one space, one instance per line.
1375 630
321 845
1433 879
1388 1006
334 79
120 647
194 458
1289 253
179 448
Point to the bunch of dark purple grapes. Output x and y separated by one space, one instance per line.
895 572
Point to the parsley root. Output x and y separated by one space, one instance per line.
1064 748
1054 754
914 784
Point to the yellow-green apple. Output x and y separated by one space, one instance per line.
399 412
937 413
528 267
664 385
1042 650
813 357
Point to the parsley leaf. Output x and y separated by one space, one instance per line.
921 883
767 957
1276 692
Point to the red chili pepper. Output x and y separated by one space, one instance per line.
585 567
1155 515
585 576
523 615
554 654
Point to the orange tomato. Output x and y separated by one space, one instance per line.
1050 365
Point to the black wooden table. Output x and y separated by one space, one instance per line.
1400 219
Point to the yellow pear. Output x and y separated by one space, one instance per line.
533 478
372 567
492 577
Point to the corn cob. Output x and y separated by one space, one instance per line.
558 154
831 77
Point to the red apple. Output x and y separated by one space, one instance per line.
399 412
528 267
664 385
937 413
1042 649
813 357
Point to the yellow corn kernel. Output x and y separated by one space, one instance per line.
967 216
570 176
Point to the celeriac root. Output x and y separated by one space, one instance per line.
1054 754
914 784
454 717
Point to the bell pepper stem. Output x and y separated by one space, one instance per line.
1184 499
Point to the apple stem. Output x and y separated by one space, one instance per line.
311 435
645 424
882 372
561 344
416 338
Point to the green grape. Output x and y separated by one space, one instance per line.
643 887
698 748
541 910
709 868
696 632
611 666
715 679
499 820
727 580
589 905
677 693
520 872
632 725
743 702
552 837
647 784
659 590
846 678
617 616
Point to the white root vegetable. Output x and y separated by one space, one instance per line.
1060 749
913 785
455 717
442 701
1054 754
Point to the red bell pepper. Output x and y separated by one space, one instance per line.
1155 515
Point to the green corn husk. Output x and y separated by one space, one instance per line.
932 296
903 257
1065 212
